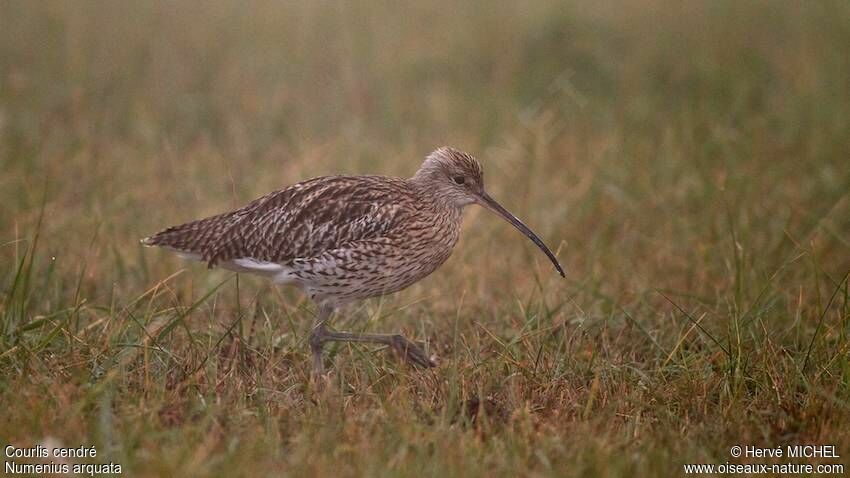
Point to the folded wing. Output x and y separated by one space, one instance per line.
300 221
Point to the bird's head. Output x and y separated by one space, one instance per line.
455 178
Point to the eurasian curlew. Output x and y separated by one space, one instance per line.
345 238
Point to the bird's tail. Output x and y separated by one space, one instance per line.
189 239
201 239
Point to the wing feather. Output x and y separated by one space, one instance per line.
300 221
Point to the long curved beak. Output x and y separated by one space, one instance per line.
497 208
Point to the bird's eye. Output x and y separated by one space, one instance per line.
459 179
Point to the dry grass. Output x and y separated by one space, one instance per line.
689 161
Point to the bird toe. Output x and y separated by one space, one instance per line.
411 352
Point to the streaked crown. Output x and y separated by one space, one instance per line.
453 174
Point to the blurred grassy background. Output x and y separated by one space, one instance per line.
689 161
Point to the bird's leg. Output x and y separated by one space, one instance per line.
406 349
318 339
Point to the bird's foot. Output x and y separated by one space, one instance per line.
317 343
318 370
410 352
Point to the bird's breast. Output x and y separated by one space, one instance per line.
419 252
385 265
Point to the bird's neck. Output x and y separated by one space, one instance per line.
432 197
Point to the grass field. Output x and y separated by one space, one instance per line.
690 162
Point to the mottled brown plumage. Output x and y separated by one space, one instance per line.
344 238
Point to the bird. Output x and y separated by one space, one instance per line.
347 238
